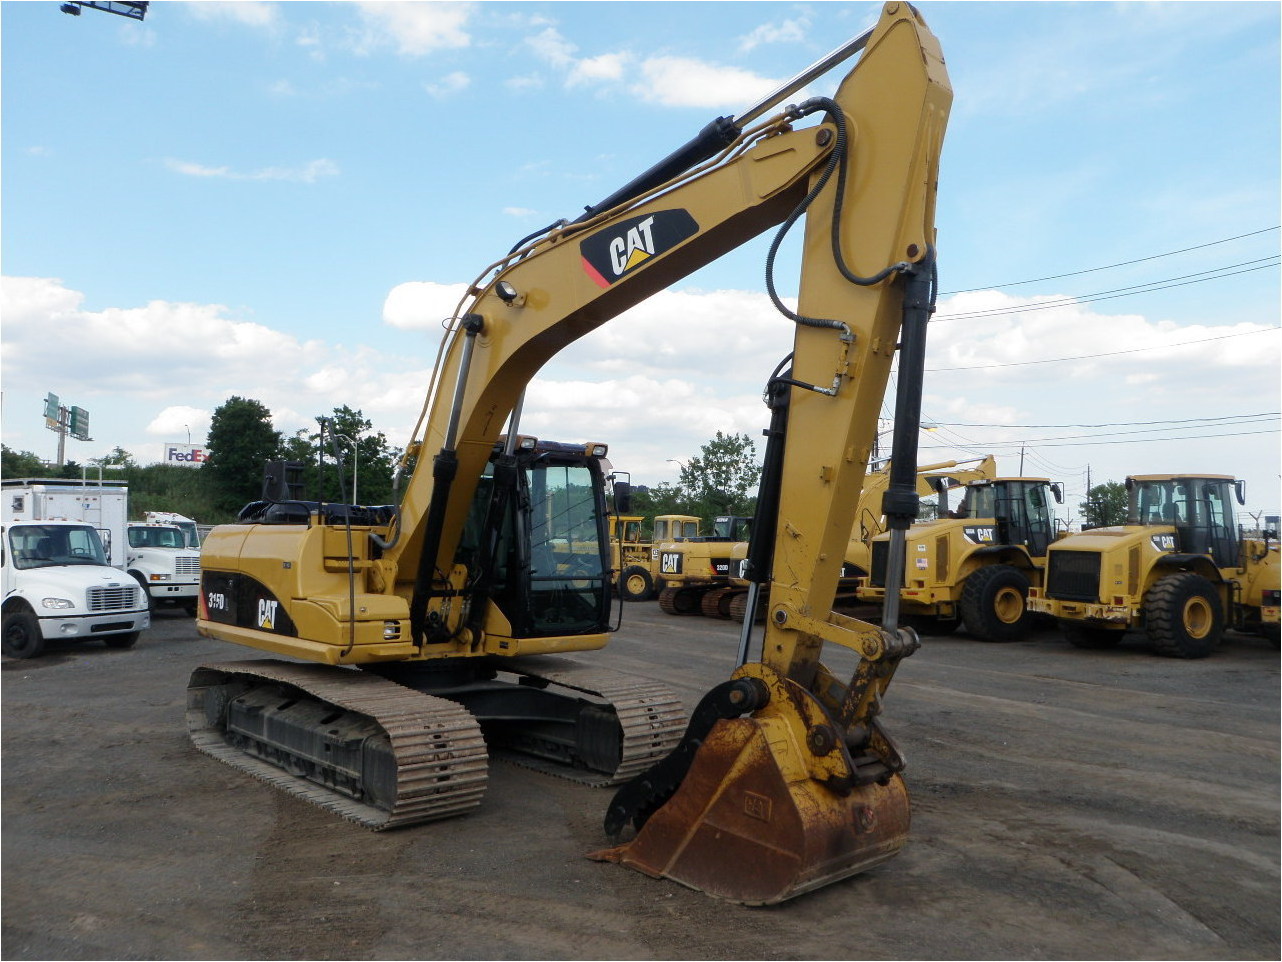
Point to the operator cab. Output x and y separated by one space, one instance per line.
539 539
1019 508
1199 508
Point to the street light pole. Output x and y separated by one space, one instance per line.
356 464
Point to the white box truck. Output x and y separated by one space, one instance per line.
161 561
103 504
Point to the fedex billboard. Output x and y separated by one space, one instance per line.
185 455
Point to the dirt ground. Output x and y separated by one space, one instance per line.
1066 805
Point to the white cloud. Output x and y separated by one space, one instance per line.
550 46
656 382
608 66
450 84
175 421
787 31
249 13
422 305
414 29
308 173
685 82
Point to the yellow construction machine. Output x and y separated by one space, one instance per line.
643 574
696 572
730 600
1180 569
977 565
424 635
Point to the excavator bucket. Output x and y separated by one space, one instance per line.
749 823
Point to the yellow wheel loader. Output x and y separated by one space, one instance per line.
976 566
642 571
417 639
869 522
1179 569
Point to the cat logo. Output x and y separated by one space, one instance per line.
267 614
614 253
1163 542
980 535
670 563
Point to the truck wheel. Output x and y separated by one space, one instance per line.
1089 636
1183 616
22 637
635 584
122 641
994 603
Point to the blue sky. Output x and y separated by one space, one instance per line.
281 201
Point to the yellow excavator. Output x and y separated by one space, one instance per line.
425 635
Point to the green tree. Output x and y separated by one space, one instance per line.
662 498
20 464
119 456
241 438
363 456
167 487
723 479
1105 505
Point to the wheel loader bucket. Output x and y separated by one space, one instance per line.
749 824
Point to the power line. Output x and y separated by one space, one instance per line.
1051 443
1087 357
1092 270
1112 424
1163 285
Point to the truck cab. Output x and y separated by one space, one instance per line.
161 561
57 584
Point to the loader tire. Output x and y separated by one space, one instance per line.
635 584
994 603
1089 636
22 637
1183 616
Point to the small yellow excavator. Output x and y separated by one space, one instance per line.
422 638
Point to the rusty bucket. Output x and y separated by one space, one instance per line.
750 824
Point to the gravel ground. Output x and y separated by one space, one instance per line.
1066 805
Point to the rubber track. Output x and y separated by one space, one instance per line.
652 717
441 760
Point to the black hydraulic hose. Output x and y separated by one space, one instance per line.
836 162
538 233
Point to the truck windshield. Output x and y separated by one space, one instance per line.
43 546
148 537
